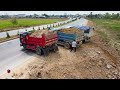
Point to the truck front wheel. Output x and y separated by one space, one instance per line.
67 45
45 51
24 46
38 51
83 41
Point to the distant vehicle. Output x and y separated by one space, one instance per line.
41 45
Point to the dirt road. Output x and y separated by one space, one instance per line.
93 60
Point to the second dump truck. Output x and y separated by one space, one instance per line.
67 35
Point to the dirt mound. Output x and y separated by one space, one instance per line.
71 31
39 33
91 61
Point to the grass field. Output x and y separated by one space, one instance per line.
110 25
6 25
113 25
109 30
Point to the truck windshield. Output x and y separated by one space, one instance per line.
87 31
22 36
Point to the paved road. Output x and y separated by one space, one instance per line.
80 22
12 55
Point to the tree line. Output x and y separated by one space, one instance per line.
104 16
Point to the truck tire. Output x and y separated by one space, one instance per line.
24 46
55 48
45 51
38 51
83 41
67 45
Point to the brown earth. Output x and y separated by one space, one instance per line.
93 60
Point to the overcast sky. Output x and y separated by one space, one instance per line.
54 12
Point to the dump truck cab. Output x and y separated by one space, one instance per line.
23 38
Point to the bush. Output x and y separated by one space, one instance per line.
14 20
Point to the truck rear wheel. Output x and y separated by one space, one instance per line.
38 51
83 41
55 48
67 45
46 51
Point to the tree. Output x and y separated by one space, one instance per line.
14 20
115 16
107 16
91 15
45 15
35 16
118 15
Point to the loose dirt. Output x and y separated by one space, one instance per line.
93 60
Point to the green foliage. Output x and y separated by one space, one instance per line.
14 21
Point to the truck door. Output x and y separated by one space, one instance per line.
23 38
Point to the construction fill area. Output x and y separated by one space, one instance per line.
92 60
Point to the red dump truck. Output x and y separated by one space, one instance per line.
42 45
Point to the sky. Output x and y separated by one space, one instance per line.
54 12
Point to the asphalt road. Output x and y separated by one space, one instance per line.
12 55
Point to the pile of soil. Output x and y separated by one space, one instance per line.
71 31
91 61
39 33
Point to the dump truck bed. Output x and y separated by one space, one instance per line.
65 36
44 40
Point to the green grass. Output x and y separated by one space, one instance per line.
6 25
109 24
109 30
104 36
